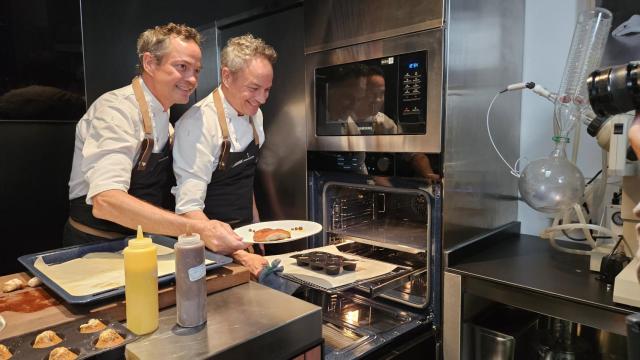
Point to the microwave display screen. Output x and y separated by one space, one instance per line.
383 96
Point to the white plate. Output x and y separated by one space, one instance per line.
308 228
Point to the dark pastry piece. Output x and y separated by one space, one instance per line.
331 264
349 266
302 261
332 269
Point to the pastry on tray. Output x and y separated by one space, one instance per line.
109 338
269 234
62 353
45 339
92 326
5 353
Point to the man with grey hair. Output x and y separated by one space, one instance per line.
121 174
218 141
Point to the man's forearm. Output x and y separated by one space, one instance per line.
255 263
196 215
120 207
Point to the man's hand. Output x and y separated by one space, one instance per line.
255 263
219 237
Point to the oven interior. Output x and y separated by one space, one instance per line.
387 224
387 217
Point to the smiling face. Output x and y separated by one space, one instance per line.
175 77
248 88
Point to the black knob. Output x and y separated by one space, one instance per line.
383 164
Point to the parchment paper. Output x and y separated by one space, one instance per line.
365 269
99 271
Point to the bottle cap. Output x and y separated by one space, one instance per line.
190 237
140 240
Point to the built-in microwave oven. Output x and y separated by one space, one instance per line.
383 95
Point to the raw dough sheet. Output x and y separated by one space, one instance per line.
99 271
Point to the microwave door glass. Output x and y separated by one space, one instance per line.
383 96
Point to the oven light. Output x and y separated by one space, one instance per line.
352 317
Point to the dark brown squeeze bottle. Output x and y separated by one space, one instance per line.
191 288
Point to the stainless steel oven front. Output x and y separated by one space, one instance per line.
383 95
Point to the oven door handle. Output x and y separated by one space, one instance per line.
375 290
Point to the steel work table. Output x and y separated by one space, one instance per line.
526 272
246 321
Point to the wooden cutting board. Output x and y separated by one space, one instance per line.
38 308
24 310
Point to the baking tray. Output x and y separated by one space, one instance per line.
82 344
65 254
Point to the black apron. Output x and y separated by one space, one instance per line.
151 177
230 193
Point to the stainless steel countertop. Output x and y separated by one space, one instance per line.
245 321
526 272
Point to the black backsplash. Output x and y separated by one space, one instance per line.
41 66
41 99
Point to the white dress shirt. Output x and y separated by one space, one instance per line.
196 149
108 140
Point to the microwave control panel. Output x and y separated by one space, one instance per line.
412 83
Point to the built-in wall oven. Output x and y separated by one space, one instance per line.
398 162
374 169
374 140
385 208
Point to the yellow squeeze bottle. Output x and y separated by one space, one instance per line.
141 284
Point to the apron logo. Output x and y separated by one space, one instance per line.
249 157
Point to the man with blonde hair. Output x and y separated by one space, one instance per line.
218 141
121 174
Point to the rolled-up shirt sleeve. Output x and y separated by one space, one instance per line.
109 150
195 155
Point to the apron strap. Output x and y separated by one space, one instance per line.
256 139
225 147
148 142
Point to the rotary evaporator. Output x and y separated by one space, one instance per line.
601 99
605 100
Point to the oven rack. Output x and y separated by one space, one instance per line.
341 236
